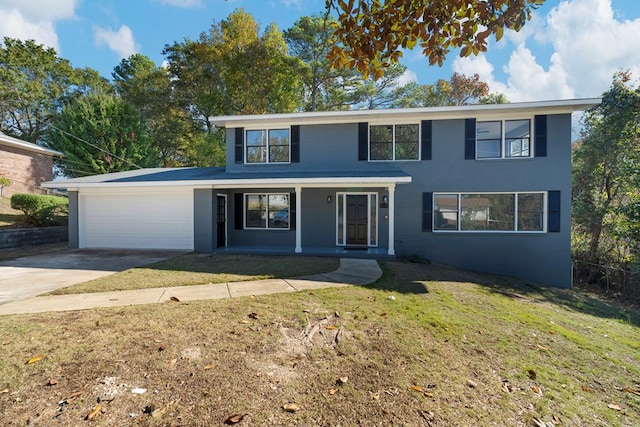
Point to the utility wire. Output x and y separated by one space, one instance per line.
95 146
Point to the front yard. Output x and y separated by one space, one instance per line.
424 346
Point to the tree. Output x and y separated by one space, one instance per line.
325 87
33 84
374 32
233 69
459 90
100 133
606 177
4 182
149 89
384 92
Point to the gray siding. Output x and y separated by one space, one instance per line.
74 236
543 258
204 217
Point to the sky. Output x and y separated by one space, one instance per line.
570 48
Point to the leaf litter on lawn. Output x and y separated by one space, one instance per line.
213 366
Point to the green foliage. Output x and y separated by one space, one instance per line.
4 182
40 210
101 133
606 178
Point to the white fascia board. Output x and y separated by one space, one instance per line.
436 113
241 183
27 146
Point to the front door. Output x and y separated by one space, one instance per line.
357 220
221 221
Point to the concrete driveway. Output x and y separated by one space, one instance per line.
34 275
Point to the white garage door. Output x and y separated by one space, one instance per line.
136 219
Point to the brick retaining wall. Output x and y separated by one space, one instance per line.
18 237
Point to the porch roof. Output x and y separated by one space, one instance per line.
219 178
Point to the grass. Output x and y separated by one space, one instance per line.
450 348
192 269
9 217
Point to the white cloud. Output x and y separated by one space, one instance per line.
589 46
34 19
120 41
407 77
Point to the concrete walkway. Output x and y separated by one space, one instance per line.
351 272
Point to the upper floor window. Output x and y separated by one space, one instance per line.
503 139
268 146
394 142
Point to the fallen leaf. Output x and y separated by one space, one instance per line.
74 395
376 396
172 362
162 347
416 388
537 390
291 407
234 419
614 407
94 412
427 394
343 380
330 327
472 384
585 388
383 314
532 374
541 347
506 387
206 368
52 381
4 390
333 391
556 419
253 315
174 299
34 359
630 390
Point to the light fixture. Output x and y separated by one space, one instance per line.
329 199
385 200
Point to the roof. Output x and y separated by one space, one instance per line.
441 113
218 178
10 141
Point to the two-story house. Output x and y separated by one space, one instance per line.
483 187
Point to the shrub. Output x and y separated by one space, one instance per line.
40 210
4 182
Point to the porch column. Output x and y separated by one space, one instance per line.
298 219
392 222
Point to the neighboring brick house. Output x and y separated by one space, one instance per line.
26 164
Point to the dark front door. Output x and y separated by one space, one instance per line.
357 220
221 222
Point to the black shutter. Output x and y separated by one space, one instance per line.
363 141
426 139
553 216
427 211
238 211
292 211
540 131
470 139
239 145
295 144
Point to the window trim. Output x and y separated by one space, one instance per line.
267 130
266 227
393 142
503 142
545 213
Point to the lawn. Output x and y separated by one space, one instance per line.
424 346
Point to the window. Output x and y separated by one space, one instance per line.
519 212
503 139
268 146
267 211
394 142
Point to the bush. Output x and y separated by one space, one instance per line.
40 210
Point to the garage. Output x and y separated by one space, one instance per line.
142 218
